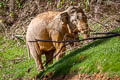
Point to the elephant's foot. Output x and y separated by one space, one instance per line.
49 76
60 56
40 68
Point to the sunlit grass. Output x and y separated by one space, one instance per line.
100 56
13 61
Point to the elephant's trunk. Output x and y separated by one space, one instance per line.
84 29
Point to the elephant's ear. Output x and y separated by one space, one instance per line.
64 17
66 20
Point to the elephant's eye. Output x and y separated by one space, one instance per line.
73 11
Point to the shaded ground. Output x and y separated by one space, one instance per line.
95 76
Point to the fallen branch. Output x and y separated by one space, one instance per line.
20 37
118 20
3 27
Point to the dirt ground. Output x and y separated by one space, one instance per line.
95 76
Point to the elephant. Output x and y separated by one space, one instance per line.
56 26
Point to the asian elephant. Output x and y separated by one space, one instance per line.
53 25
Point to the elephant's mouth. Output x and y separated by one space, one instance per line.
76 31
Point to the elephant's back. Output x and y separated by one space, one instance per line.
36 30
47 16
39 23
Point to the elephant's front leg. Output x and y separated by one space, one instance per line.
38 62
60 50
57 36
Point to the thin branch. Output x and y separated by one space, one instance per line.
104 26
92 38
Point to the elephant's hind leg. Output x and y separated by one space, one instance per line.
36 53
49 56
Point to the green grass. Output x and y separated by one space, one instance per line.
100 56
14 62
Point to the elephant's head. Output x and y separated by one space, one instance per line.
77 21
73 20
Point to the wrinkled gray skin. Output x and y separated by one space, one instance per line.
54 26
